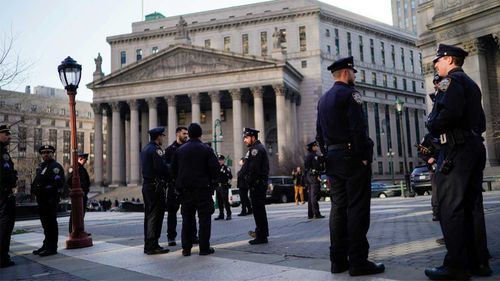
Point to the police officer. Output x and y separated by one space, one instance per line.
222 189
47 185
155 176
256 171
246 207
173 203
459 122
8 179
84 183
341 134
195 168
313 166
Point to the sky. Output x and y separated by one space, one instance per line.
45 32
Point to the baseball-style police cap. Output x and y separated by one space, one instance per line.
250 132
46 148
342 63
5 129
83 155
157 132
448 50
311 144
221 157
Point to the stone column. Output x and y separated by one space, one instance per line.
153 112
279 90
116 149
134 143
109 146
258 111
294 120
144 128
237 126
195 107
172 118
98 143
126 143
215 98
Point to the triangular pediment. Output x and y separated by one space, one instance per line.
183 61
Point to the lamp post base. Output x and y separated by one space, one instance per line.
80 240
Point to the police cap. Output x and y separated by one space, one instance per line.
159 131
310 145
448 50
46 148
83 155
250 132
5 129
221 157
342 63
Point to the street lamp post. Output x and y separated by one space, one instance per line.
217 124
390 154
399 109
70 73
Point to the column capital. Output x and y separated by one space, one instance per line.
133 104
496 36
428 68
171 100
235 94
257 91
152 102
279 89
474 46
195 98
214 96
115 106
97 108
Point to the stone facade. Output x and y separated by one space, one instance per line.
261 65
37 120
474 26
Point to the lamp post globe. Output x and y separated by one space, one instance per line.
70 74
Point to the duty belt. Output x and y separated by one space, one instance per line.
339 146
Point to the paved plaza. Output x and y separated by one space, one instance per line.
402 236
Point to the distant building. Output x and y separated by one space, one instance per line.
37 120
404 14
50 92
475 27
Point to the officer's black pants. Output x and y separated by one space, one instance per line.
434 197
7 219
173 206
245 201
461 206
312 203
47 207
193 200
154 211
258 199
222 193
350 212
85 200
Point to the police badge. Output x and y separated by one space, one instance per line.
159 152
56 170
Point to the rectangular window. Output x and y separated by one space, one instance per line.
372 51
417 125
53 138
420 63
365 114
80 140
123 57
227 43
244 43
384 80
37 139
377 130
91 156
302 38
22 135
349 44
408 133
361 56
363 76
207 43
283 44
154 50
337 45
263 43
388 127
328 49
394 82
138 54
393 56
327 34
412 65
33 107
414 86
66 147
398 133
374 78
304 64
380 168
404 84
401 170
382 52
403 58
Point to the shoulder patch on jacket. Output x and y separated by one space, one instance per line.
159 152
357 97
254 152
444 84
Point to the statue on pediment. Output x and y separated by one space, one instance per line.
182 32
278 38
98 70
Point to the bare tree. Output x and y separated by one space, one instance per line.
12 67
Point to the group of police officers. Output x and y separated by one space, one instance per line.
187 173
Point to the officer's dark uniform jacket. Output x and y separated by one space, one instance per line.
225 176
170 150
256 167
49 180
84 179
154 167
8 179
339 106
313 166
8 175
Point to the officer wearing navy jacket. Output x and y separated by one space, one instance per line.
222 189
342 137
155 176
255 171
313 166
196 170
459 121
48 182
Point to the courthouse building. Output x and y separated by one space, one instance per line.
260 65
36 120
475 27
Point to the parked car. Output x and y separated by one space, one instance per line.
325 186
281 189
420 180
94 206
234 197
381 190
